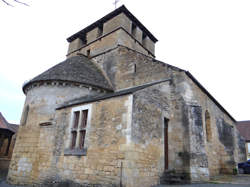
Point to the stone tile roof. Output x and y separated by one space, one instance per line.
244 129
76 69
5 125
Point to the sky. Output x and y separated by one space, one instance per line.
209 38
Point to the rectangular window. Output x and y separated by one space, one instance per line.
80 121
79 129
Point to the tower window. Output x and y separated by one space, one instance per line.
100 30
144 36
133 29
83 39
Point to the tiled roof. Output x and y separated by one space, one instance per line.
77 69
244 129
5 125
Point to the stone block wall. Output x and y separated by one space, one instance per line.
150 107
223 150
120 20
103 45
107 141
34 147
127 68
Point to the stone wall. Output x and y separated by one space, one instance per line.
150 107
107 140
223 151
127 68
104 44
32 156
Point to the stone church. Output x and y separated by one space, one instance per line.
113 115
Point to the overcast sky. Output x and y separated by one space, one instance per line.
211 39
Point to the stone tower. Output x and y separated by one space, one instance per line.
119 27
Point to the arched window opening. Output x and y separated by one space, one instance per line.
208 126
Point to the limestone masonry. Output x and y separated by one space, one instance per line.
113 115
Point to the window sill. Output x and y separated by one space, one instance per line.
75 152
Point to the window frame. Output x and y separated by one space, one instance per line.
80 146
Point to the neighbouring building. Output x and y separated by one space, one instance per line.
244 129
113 115
7 141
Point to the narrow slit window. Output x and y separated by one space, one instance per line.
88 53
144 36
133 29
208 126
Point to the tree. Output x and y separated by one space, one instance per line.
17 1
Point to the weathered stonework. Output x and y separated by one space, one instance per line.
144 119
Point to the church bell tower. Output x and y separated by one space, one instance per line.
118 28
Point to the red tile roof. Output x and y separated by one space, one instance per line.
4 124
244 129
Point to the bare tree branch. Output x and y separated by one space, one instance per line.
7 3
21 2
17 1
